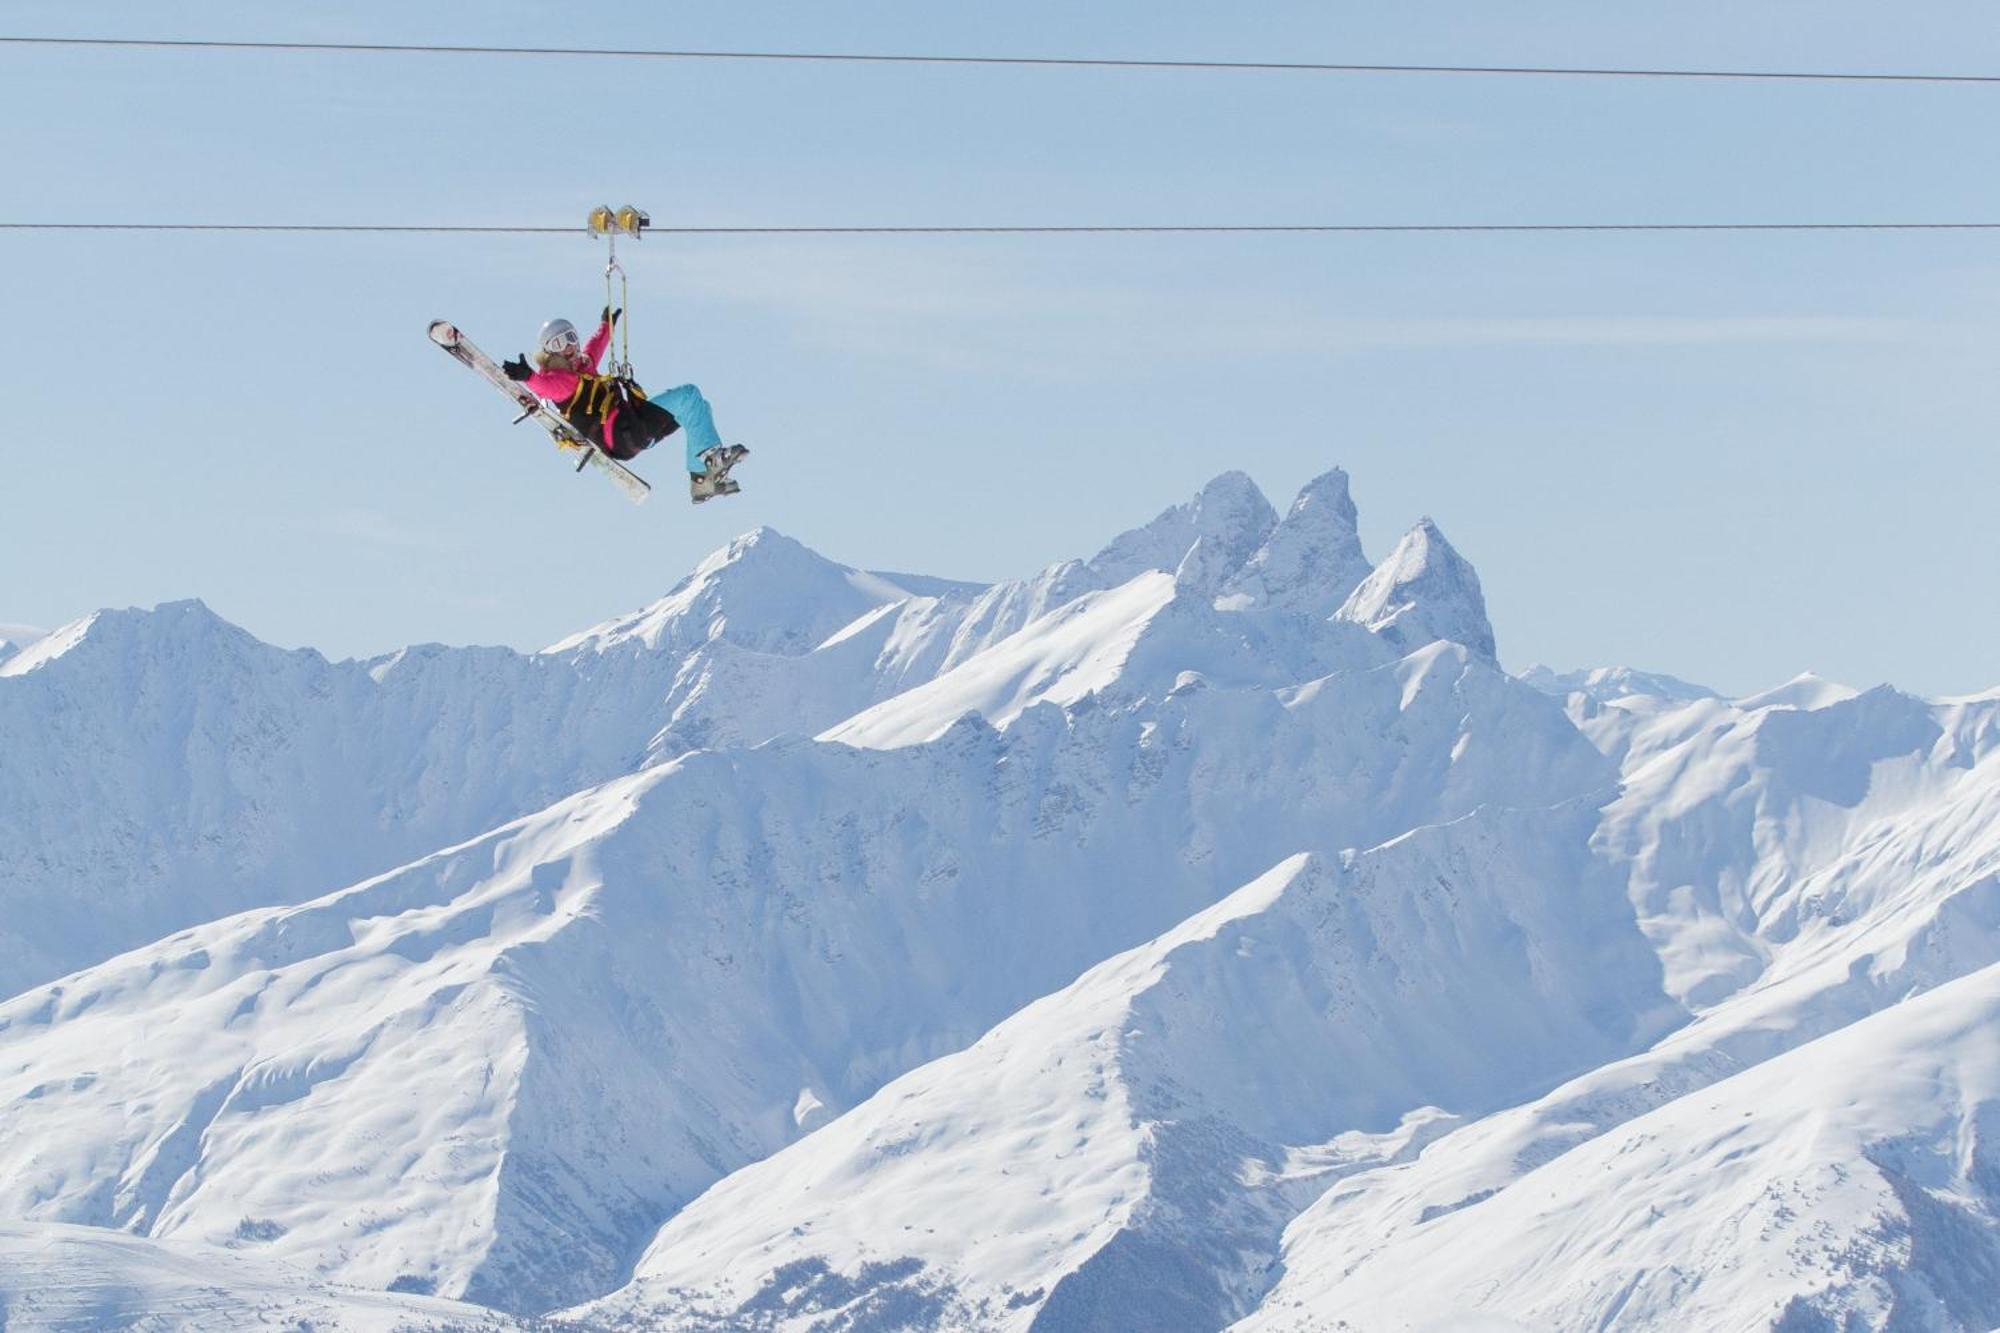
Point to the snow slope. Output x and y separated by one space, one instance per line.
1730 813
1127 1150
65 1279
1851 1183
1151 636
1868 913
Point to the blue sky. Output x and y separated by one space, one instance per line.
1727 457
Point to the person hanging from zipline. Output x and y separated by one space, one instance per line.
612 411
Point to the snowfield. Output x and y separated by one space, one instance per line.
55 1277
1207 933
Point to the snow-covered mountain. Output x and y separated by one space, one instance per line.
1619 685
679 957
165 768
1204 931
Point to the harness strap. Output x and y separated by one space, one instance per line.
602 396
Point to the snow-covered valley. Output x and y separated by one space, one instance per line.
1208 933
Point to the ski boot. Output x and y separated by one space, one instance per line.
703 487
720 459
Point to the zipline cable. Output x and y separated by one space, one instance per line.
1057 62
1331 228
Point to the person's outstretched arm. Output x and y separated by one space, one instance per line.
593 351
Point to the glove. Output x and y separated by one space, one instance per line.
518 368
610 316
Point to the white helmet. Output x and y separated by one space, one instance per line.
558 338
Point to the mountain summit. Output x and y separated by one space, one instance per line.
1229 519
764 591
1312 560
1424 591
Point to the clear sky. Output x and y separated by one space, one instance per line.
1727 457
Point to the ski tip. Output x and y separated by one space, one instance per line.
444 333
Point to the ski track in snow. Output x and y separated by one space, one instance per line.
1204 933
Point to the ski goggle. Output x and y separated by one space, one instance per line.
562 341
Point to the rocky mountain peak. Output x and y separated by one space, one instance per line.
1424 591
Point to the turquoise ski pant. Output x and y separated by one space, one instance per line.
697 422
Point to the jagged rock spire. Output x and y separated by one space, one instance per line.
1230 517
1423 592
1311 561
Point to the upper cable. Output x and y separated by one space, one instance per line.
1068 62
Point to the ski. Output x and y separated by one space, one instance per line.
446 335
